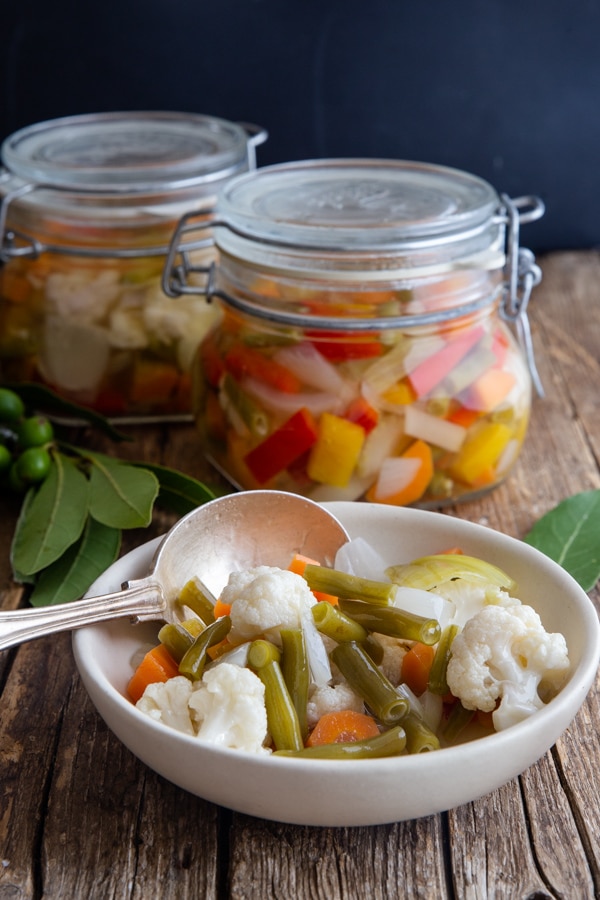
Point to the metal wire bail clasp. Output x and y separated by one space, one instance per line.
523 275
13 243
178 263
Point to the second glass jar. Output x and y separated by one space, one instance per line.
363 349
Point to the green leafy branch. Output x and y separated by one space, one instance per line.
74 510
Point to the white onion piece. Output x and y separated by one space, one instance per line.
237 657
358 557
432 706
433 430
355 488
313 369
380 444
316 653
424 603
286 404
395 474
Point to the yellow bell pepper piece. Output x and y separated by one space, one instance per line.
401 393
335 454
479 454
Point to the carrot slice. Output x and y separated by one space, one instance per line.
299 564
157 666
221 609
411 489
341 727
416 666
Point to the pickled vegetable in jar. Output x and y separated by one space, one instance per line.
89 207
365 348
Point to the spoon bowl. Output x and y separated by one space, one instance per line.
233 532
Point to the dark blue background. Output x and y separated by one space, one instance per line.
504 89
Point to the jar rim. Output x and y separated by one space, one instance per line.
127 152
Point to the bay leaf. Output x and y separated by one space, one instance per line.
69 577
18 576
178 492
570 535
52 519
121 495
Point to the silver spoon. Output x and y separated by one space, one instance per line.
234 532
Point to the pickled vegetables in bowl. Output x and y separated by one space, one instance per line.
316 662
303 790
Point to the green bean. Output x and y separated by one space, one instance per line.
192 596
251 415
176 639
392 621
282 718
340 584
370 683
419 737
294 667
192 664
373 648
458 720
389 743
438 683
330 620
261 653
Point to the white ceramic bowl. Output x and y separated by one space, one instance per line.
357 792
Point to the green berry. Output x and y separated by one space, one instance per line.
12 407
33 465
5 458
35 431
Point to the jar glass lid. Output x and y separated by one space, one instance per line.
125 152
360 204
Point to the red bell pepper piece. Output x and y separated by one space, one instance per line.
362 413
283 446
338 346
241 360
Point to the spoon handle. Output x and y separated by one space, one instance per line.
141 599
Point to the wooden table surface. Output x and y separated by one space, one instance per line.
80 817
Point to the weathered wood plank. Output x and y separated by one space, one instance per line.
39 681
115 829
509 872
269 860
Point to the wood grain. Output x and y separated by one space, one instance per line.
81 817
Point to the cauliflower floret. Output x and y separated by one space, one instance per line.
126 329
332 698
167 702
504 653
264 600
394 650
229 707
468 598
82 296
